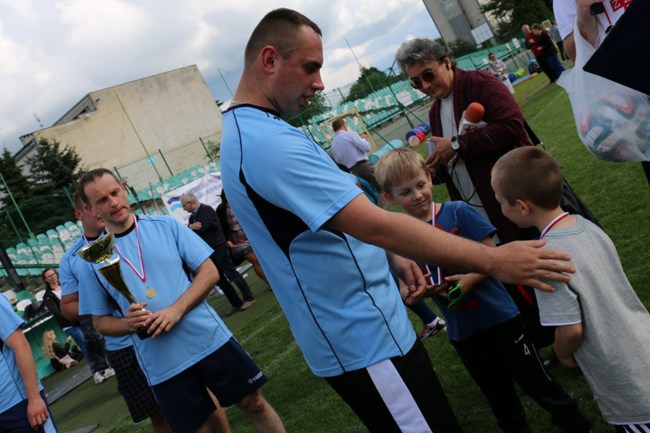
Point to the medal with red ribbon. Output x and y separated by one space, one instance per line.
150 292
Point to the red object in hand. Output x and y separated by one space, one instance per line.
474 112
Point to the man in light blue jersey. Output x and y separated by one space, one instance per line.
131 382
322 243
189 349
23 408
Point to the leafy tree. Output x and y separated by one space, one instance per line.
370 80
519 13
461 47
15 179
54 167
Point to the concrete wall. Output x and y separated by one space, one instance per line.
455 19
163 112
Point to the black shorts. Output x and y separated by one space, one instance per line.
398 394
229 372
132 383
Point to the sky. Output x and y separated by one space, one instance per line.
53 53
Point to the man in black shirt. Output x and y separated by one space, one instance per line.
205 223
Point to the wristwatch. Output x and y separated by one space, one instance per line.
455 145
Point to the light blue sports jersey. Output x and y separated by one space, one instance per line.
166 244
336 291
12 388
68 271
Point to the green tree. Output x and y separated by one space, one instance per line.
370 80
518 13
17 182
54 166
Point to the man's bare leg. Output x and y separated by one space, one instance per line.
261 413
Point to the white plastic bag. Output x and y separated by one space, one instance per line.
613 121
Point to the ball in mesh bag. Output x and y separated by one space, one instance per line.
616 127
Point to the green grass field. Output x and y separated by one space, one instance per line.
617 193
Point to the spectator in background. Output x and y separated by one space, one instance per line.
555 36
61 357
240 247
52 301
533 45
548 51
204 222
23 408
350 150
498 69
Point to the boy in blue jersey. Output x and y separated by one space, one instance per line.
483 325
22 404
322 243
189 349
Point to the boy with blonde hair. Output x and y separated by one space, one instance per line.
602 326
483 325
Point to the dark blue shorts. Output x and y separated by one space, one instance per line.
229 372
14 420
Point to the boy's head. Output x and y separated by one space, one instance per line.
524 177
403 176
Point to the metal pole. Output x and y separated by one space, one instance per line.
13 226
139 139
224 82
13 200
206 149
165 161
360 66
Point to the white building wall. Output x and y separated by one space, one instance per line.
168 111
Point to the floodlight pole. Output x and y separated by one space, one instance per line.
360 66
13 200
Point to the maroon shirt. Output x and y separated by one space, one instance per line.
480 149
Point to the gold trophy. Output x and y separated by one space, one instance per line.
100 251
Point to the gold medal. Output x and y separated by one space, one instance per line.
150 293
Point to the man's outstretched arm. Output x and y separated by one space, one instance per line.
523 262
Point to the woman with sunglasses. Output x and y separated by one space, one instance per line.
463 162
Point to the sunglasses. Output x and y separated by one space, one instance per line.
427 75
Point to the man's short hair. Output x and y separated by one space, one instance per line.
278 28
525 27
89 177
420 50
536 26
398 166
338 124
531 174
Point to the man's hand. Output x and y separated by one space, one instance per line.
442 153
37 412
195 226
411 274
136 316
163 320
525 262
587 23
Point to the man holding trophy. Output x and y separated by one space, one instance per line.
139 265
